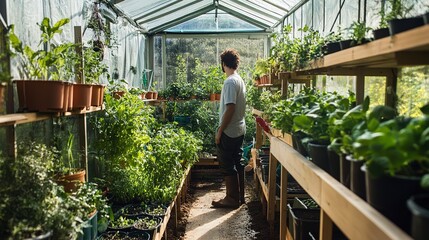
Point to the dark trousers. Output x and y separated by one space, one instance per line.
229 154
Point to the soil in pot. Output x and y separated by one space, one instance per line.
132 210
138 235
419 208
156 210
148 224
112 235
401 25
121 223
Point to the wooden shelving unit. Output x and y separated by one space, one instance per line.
408 48
354 216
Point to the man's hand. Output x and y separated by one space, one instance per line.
218 135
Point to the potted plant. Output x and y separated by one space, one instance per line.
90 206
148 224
31 205
113 235
395 155
52 64
67 174
332 42
93 69
121 223
397 17
118 88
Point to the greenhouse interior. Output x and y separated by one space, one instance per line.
214 119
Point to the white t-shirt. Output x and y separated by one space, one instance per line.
234 91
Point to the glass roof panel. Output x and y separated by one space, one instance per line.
158 15
207 23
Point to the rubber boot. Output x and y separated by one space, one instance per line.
231 199
241 186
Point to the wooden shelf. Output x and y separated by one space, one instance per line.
355 217
20 118
404 49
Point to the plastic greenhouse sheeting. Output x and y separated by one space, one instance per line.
24 14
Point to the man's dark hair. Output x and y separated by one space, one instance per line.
231 58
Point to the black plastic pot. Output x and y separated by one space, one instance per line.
400 25
334 164
346 44
380 33
419 207
344 171
357 177
319 155
300 147
388 195
139 234
333 47
109 234
426 18
150 231
304 222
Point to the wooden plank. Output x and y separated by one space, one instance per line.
261 182
283 203
286 138
360 88
271 192
344 208
257 112
326 226
303 170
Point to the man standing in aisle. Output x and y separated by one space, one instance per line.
230 134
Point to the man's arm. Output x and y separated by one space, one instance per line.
226 119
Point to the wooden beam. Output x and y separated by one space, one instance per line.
345 207
303 170
326 226
271 208
391 88
283 204
412 58
360 88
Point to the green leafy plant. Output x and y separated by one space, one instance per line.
93 68
358 31
31 203
146 223
315 120
397 146
121 222
55 63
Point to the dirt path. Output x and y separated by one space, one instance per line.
204 223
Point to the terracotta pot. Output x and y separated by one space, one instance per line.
143 96
149 95
118 94
217 96
43 96
97 95
72 181
154 95
212 96
82 96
